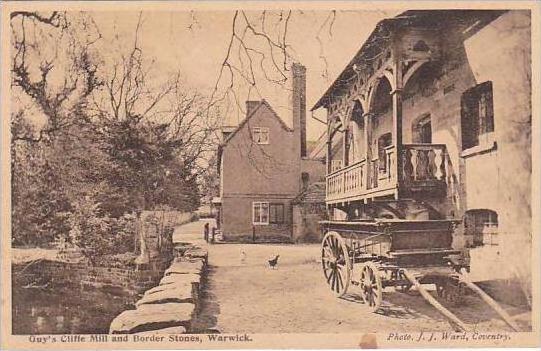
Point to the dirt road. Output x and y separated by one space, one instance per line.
243 294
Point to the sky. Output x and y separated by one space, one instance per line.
195 43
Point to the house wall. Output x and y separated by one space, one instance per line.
496 175
507 65
316 169
306 217
497 178
237 220
256 172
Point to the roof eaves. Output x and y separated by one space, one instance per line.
284 125
241 124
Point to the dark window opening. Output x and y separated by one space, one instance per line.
421 46
383 141
422 130
382 100
276 213
477 114
481 227
305 179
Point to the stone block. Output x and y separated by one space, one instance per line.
149 317
160 288
178 278
185 267
197 253
171 293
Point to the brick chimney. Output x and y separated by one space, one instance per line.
298 105
250 106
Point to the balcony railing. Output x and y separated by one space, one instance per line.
422 166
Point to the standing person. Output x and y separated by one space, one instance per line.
206 232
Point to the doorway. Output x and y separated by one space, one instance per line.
422 130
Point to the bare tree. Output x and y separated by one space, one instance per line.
57 78
168 112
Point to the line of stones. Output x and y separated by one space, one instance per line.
169 307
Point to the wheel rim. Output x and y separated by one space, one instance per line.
371 290
336 263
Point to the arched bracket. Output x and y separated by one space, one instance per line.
411 70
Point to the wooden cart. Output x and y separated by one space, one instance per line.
378 253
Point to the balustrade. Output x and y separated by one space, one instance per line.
347 181
422 165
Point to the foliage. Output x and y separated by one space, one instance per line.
99 235
92 148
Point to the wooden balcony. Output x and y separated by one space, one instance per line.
422 166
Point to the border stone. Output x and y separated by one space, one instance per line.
169 307
176 278
176 293
197 252
185 267
164 287
152 317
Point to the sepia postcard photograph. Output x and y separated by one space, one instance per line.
270 175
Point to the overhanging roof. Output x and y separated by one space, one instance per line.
427 18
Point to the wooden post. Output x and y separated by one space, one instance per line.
345 147
367 148
329 154
465 277
454 319
397 115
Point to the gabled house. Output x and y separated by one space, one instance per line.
263 166
430 120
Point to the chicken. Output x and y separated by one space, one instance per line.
242 257
274 262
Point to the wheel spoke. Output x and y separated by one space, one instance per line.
339 278
371 290
335 263
333 246
331 272
327 253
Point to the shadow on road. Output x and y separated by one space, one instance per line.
411 305
205 318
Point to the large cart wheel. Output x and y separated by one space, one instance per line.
371 289
336 263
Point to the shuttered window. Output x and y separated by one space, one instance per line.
477 114
276 213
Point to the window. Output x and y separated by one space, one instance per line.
421 46
383 141
477 114
260 135
422 130
260 212
482 227
276 212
